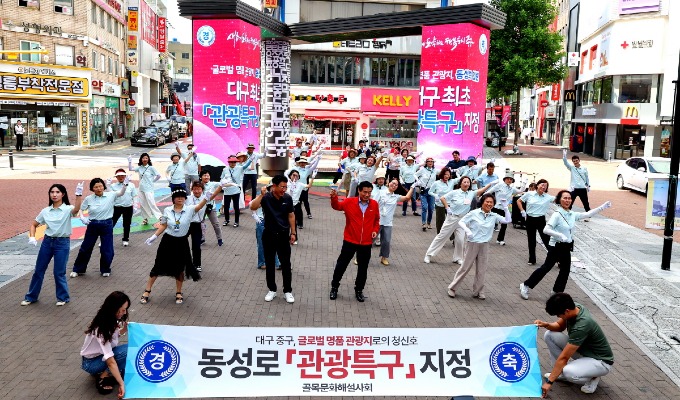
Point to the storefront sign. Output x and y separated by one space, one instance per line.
387 100
84 127
570 95
112 7
320 98
37 28
149 24
550 112
226 107
131 102
133 19
363 44
638 6
631 116
124 87
81 61
112 102
39 85
555 91
544 103
657 199
271 4
132 58
573 59
166 361
98 102
162 35
132 42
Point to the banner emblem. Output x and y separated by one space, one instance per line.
157 361
509 362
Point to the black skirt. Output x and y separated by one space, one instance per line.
173 258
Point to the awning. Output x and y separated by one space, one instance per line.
388 115
333 115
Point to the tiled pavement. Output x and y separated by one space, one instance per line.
39 344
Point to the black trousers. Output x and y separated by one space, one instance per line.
346 254
196 234
560 253
337 177
2 138
297 211
126 212
20 142
535 224
233 199
583 195
252 180
277 244
501 233
304 199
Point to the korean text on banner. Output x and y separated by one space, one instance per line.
657 199
188 361
226 109
454 65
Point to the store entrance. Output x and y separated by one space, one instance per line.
629 142
342 134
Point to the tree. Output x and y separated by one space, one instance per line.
525 52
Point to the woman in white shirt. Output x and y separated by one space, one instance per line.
534 206
102 356
387 203
148 175
173 257
442 186
295 188
560 227
427 176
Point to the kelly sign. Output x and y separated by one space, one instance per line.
191 361
389 100
454 64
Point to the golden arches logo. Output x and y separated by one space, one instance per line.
632 112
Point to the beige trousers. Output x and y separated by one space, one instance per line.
450 226
478 254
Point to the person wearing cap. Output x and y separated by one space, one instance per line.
534 206
366 170
173 257
99 221
250 174
362 149
362 223
174 173
298 150
279 233
427 176
295 189
148 175
349 165
407 177
504 190
192 164
231 186
123 205
478 227
242 157
387 204
456 162
440 187
210 210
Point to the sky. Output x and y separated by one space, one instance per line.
179 27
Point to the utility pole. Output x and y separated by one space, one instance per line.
672 181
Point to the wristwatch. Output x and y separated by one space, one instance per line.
548 381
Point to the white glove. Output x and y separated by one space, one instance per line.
108 181
417 183
524 214
503 202
79 188
342 170
564 153
85 220
588 188
401 180
130 159
314 173
493 160
563 238
135 208
468 232
207 195
606 205
355 179
226 182
150 240
386 154
127 180
449 211
257 218
32 241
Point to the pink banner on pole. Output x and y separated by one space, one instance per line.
226 70
453 72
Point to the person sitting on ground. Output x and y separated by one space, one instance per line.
583 354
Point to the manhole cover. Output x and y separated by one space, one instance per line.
43 172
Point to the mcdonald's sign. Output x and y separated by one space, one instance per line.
631 116
570 95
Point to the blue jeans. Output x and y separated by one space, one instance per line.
95 366
57 247
427 204
96 229
259 228
414 206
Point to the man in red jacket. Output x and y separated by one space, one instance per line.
362 222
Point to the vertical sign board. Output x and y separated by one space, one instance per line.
276 113
454 65
226 102
162 34
84 127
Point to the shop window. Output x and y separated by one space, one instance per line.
173 54
63 6
597 91
185 56
392 71
304 66
27 45
635 89
34 4
94 14
587 94
63 54
607 87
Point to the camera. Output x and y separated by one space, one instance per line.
423 190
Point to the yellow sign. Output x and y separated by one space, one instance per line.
271 3
389 100
133 20
132 41
41 85
632 112
84 127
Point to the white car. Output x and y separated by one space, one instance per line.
635 172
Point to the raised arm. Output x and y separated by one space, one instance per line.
255 203
508 214
123 188
129 159
408 195
564 159
207 196
595 211
79 199
484 189
315 162
493 188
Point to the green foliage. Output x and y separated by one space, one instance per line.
525 52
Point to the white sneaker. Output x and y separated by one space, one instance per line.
427 260
524 291
26 302
73 274
125 243
591 386
500 242
270 296
295 243
289 297
451 293
199 269
552 292
377 242
459 262
61 303
106 274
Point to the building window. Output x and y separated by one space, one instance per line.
102 20
102 62
635 89
185 56
115 28
29 57
109 25
173 54
34 4
95 59
94 14
64 55
110 65
383 71
63 6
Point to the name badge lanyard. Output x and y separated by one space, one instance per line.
234 180
567 222
177 220
585 181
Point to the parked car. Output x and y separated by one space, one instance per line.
635 172
169 129
181 124
147 136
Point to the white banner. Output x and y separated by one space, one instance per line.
188 361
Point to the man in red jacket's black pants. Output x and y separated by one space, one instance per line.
362 222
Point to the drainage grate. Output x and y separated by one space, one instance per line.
44 172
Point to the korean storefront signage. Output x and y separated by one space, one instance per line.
454 64
320 98
271 3
132 58
98 102
162 34
363 44
84 127
226 105
41 28
133 19
276 113
638 6
112 7
555 91
132 42
389 100
38 84
166 361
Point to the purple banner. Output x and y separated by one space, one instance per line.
453 72
226 70
638 6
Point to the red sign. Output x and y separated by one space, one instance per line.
148 24
555 92
131 102
390 100
545 103
97 85
364 126
590 130
162 35
114 4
